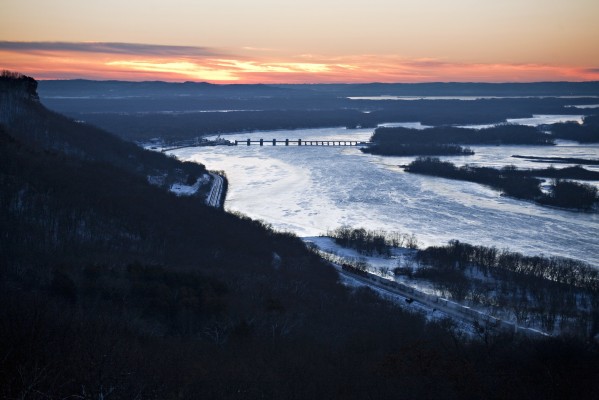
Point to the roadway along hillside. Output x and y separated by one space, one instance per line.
454 310
214 196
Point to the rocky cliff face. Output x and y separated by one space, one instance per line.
19 85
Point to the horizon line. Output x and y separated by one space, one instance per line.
318 83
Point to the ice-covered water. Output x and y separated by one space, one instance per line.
410 125
535 120
311 189
584 106
463 98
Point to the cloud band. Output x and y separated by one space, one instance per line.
139 49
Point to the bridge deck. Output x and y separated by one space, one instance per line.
300 142
273 142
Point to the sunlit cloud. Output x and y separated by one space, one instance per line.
275 67
306 67
251 48
181 68
251 67
131 61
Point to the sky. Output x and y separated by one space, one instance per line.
302 41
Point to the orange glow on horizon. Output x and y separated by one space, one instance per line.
61 64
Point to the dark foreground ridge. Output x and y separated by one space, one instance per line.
114 288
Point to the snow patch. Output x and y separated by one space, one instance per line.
181 189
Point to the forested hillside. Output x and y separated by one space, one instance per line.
113 288
34 125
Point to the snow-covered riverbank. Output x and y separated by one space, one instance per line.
310 190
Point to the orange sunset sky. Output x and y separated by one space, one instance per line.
302 41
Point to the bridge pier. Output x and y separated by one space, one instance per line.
261 142
274 142
299 142
248 142
286 142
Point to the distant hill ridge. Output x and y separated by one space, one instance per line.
81 86
140 111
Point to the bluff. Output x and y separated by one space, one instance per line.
111 287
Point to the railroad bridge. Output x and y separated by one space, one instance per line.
300 142
261 142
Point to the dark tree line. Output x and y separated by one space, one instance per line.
568 194
371 242
522 184
500 134
557 269
447 140
588 132
554 293
416 149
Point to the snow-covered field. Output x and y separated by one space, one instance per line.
399 256
312 189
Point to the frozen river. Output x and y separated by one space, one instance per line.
311 189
